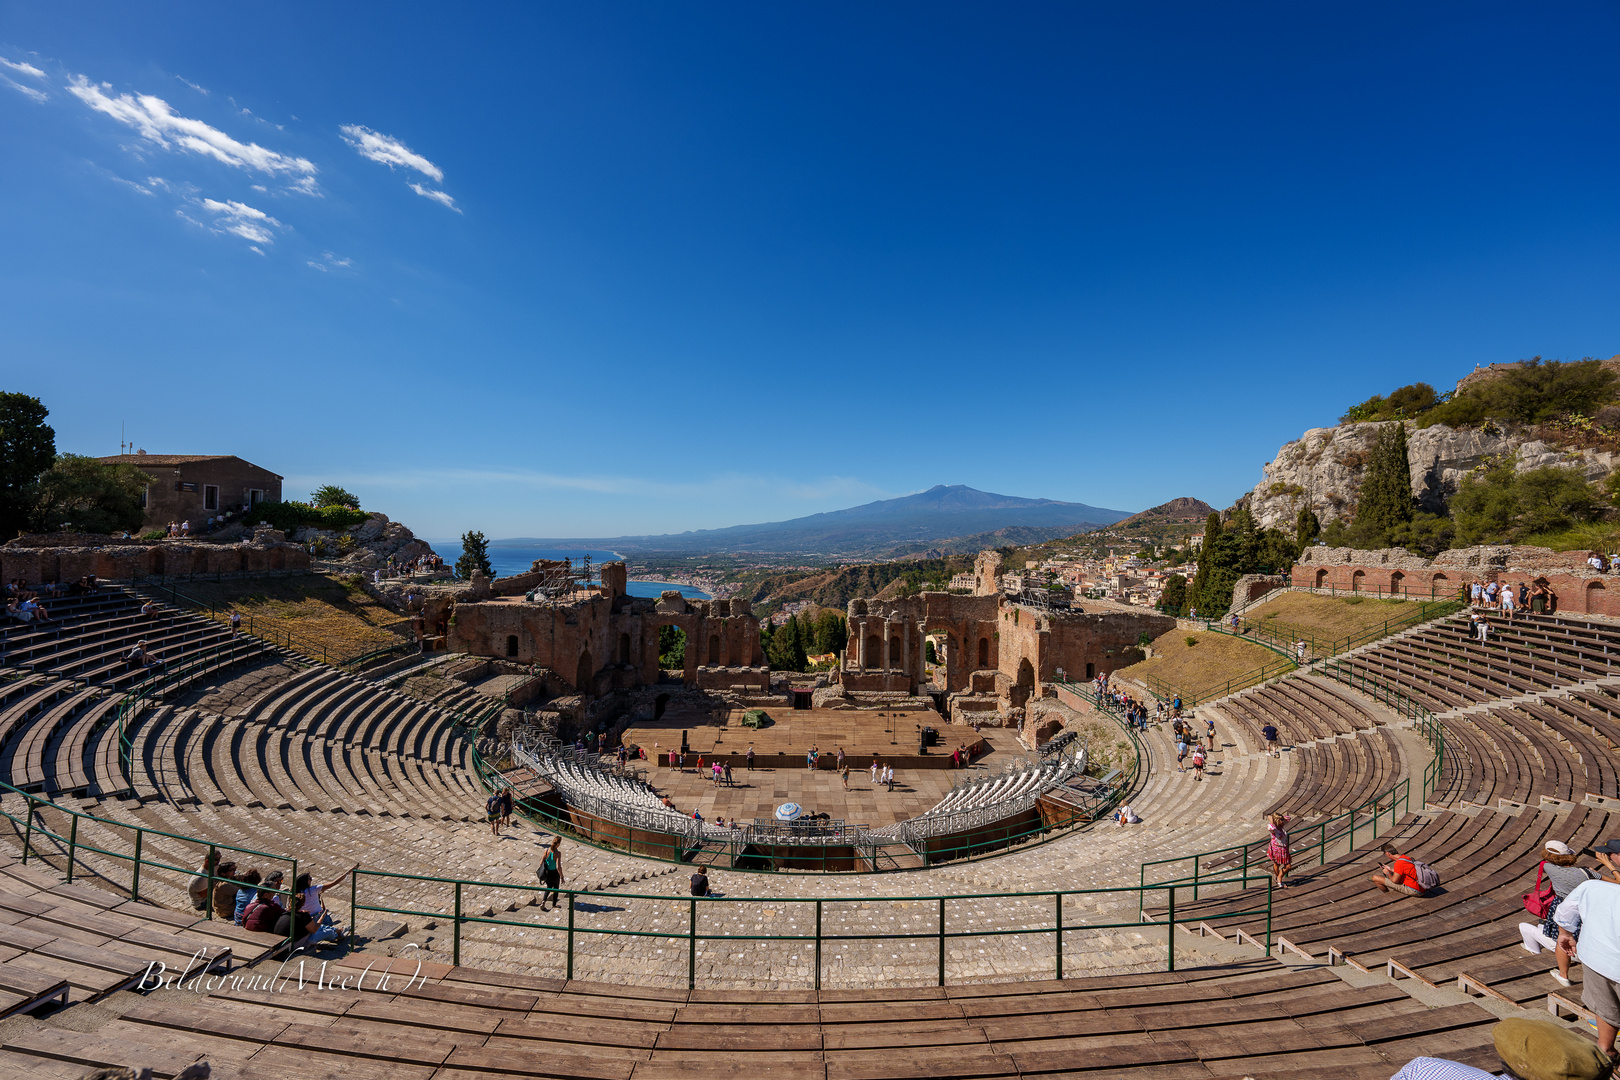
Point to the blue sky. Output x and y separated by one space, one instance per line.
596 269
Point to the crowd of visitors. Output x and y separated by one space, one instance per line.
255 902
1508 597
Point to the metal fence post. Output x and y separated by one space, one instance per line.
1271 884
818 944
28 833
1058 897
354 903
691 944
73 844
1170 932
570 973
135 877
942 941
455 946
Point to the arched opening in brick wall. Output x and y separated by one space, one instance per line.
1396 581
1321 579
874 651
511 645
896 655
1026 674
732 659
1595 592
583 673
984 652
1357 579
624 648
714 650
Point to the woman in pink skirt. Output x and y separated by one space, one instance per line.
1277 849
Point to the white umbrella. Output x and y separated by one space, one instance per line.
789 811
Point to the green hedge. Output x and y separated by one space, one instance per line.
288 516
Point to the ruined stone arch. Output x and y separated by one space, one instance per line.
1026 674
874 651
896 651
984 652
1595 593
584 673
714 650
511 644
1321 579
1357 580
1395 581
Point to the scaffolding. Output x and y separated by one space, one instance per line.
558 584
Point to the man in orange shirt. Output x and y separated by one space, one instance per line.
1398 873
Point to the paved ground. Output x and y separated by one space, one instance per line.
757 794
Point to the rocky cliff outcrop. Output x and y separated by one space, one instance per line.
1324 468
374 541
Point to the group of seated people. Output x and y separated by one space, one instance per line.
22 604
254 902
1559 869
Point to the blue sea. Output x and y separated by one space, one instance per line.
507 561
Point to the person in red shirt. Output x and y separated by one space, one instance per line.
1398 872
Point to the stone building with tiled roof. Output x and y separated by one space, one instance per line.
196 487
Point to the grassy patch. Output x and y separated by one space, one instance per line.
1331 617
1200 663
1592 535
323 611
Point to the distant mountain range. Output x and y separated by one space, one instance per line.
938 514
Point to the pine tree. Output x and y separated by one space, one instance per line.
1386 490
1307 527
474 556
1206 561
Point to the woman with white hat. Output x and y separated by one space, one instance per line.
1556 876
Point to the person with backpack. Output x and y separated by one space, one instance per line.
1198 763
492 812
700 882
1556 877
1277 847
550 872
1406 874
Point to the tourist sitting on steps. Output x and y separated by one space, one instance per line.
200 886
1404 874
700 882
246 890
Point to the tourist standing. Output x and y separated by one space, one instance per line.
1198 763
1593 909
874 770
750 757
1277 849
551 872
236 623
888 776
492 813
1181 751
506 807
1270 734
843 774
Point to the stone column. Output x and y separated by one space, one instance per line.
888 660
860 645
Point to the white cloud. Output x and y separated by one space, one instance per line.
24 68
329 261
158 123
193 85
239 219
437 196
27 91
388 150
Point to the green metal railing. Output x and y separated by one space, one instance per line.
1396 801
278 636
572 930
1165 691
1284 637
71 851
172 678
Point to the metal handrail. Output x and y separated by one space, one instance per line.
1344 824
1321 648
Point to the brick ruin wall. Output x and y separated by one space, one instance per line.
605 639
37 565
1577 587
991 644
